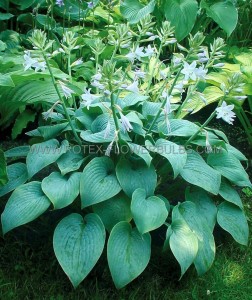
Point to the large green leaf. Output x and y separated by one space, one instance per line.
196 171
44 154
128 253
141 152
3 169
134 11
78 243
174 153
71 160
26 203
182 15
204 203
114 210
133 174
61 190
211 94
98 181
148 213
17 174
232 219
20 151
32 92
179 128
198 224
22 121
224 13
183 243
228 193
230 167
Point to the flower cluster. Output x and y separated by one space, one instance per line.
33 63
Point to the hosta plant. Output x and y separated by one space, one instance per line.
119 144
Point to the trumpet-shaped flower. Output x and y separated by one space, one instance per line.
149 51
29 61
226 113
59 3
126 126
140 74
189 70
88 98
66 90
133 87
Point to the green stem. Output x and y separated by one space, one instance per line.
188 96
213 114
154 68
113 99
244 126
164 102
70 75
61 99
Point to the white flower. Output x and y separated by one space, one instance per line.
88 98
240 98
189 70
126 126
107 93
29 61
163 74
97 77
124 46
180 87
77 62
209 148
107 130
139 52
66 90
97 84
133 87
59 3
135 54
176 61
149 51
39 66
225 112
200 72
171 41
140 74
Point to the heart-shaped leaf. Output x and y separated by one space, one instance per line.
44 154
26 203
78 244
128 253
3 169
98 181
61 190
148 213
133 174
70 161
114 210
